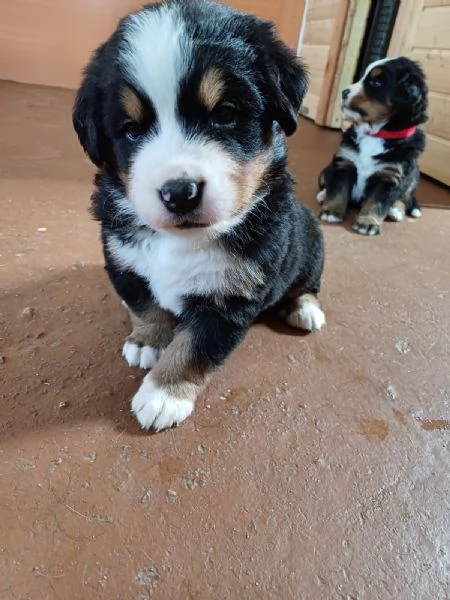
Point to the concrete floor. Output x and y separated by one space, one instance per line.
314 468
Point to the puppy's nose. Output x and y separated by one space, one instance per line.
345 94
181 196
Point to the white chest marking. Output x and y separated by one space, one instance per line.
364 161
176 267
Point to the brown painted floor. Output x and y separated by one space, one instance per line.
315 467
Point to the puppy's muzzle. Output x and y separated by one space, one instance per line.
181 196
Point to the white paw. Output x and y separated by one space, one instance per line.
155 409
144 357
330 218
416 213
309 317
396 214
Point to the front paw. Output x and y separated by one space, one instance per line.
141 356
307 314
155 408
329 216
366 225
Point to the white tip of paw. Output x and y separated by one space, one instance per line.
321 196
144 357
155 409
309 317
329 218
416 213
396 214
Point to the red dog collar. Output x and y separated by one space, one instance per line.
401 134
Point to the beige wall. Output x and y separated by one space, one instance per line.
49 41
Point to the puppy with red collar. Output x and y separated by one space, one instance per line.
184 112
375 166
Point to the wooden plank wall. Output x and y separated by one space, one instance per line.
323 30
48 42
422 32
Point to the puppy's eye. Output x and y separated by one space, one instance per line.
133 132
374 83
224 115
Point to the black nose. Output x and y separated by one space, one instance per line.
181 196
345 94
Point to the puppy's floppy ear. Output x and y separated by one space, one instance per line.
409 89
289 86
411 93
87 115
286 79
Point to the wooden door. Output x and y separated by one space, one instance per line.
422 32
49 41
332 34
322 31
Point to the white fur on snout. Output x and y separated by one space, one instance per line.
170 156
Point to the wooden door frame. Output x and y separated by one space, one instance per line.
332 62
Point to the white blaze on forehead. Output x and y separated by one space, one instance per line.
156 54
376 63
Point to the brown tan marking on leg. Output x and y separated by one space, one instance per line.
176 372
168 393
211 88
397 212
337 197
391 173
154 328
370 218
152 332
334 208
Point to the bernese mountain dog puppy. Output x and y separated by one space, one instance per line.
184 111
375 166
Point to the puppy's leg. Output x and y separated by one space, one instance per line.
414 209
202 341
397 211
340 179
382 193
406 204
152 332
412 206
304 312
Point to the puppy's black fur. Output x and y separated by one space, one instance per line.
379 175
268 248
